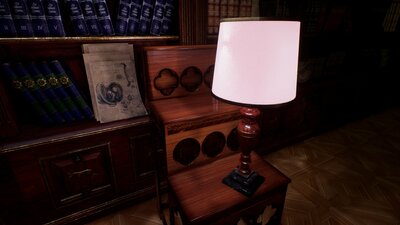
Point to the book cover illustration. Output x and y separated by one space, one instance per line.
116 90
103 52
7 27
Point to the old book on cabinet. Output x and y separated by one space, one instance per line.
113 84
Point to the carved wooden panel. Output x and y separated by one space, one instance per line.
199 145
197 129
78 174
176 71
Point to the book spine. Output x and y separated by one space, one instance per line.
70 87
30 84
121 23
18 86
76 16
20 14
7 27
389 17
42 83
89 13
223 9
53 17
134 16
104 17
158 15
169 10
59 90
146 16
210 16
38 18
396 17
245 8
233 8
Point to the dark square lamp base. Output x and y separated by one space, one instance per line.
246 185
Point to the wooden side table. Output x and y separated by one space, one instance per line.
202 198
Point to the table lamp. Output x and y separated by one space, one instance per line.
255 65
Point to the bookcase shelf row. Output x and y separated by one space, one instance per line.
33 136
66 40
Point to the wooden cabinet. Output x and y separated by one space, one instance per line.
69 172
63 173
61 178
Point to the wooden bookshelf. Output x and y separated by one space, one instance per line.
72 172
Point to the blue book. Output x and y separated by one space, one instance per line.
169 10
20 14
59 90
27 97
89 13
104 17
71 89
146 17
76 16
121 23
31 85
53 17
7 27
158 15
134 17
38 18
42 83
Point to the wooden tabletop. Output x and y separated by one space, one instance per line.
191 107
202 194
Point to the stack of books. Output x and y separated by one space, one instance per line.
47 90
41 18
220 9
28 18
111 74
390 22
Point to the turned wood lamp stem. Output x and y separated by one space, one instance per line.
248 133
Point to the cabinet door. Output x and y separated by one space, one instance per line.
143 158
78 174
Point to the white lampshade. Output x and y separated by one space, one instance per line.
256 62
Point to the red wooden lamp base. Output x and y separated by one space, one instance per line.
243 179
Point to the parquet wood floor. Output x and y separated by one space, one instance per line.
348 176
